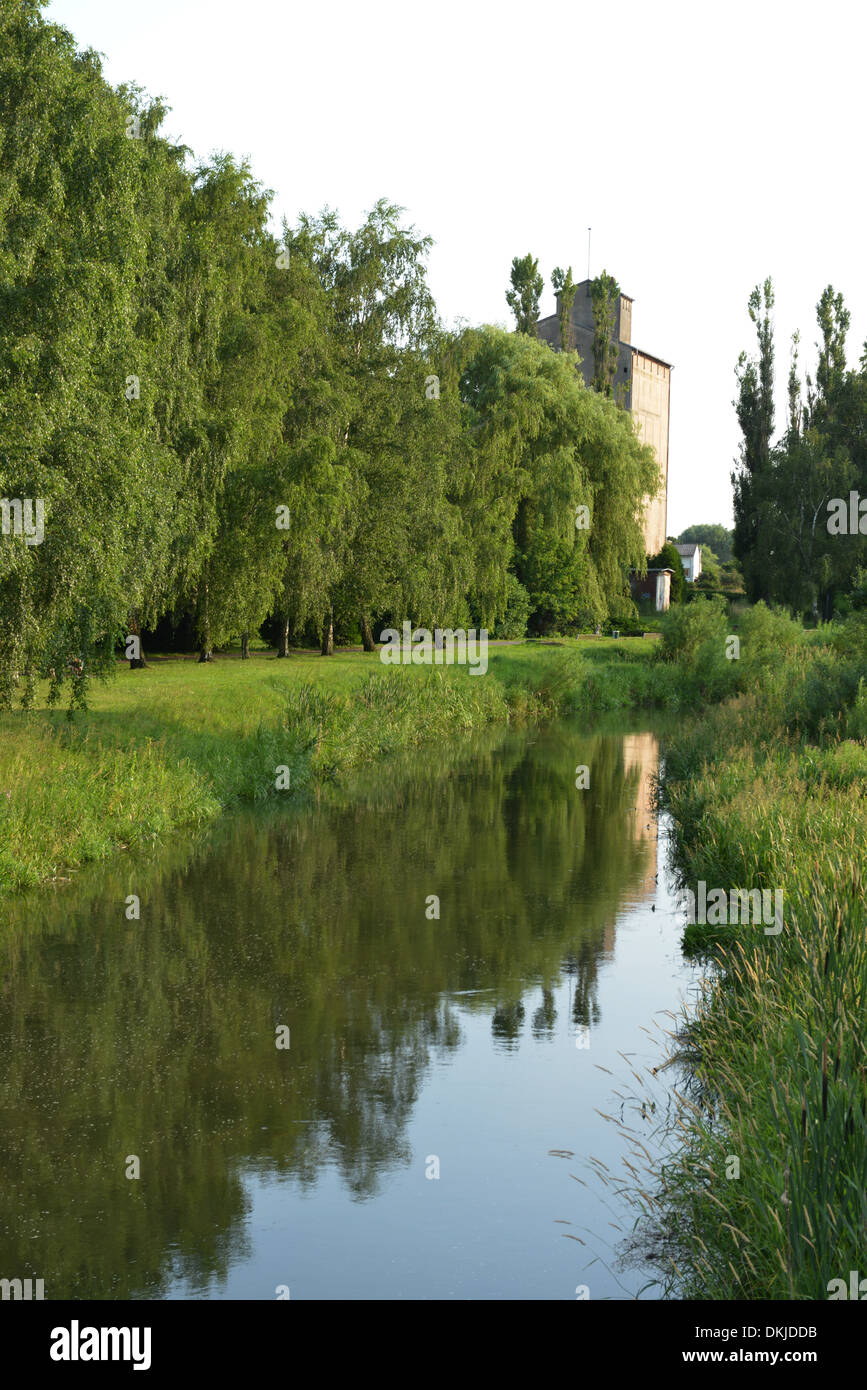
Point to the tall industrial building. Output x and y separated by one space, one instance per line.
642 382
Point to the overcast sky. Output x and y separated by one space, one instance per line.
707 148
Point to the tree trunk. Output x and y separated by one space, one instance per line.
328 634
283 648
204 627
245 646
366 634
136 663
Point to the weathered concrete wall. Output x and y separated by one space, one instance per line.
641 385
625 319
548 329
651 388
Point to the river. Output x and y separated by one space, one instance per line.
453 955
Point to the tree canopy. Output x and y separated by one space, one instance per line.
794 535
219 426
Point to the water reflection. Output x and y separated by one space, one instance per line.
156 1038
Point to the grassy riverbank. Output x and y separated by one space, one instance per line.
767 1198
178 743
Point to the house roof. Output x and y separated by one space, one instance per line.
688 549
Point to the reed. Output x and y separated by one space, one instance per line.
769 791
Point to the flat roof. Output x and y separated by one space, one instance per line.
661 360
621 342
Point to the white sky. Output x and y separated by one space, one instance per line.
707 147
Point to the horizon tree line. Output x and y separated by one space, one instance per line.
227 426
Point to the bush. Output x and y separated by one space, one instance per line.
513 621
699 590
685 630
818 705
766 636
695 636
669 558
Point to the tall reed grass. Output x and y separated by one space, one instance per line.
765 1194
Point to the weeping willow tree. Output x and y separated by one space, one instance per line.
173 382
562 480
134 360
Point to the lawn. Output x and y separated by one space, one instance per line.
177 743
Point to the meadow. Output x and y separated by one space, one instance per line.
179 743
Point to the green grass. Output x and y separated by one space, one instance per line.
769 791
178 743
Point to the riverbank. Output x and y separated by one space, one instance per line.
767 1196
178 743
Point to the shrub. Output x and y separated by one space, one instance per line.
669 558
685 630
766 636
513 621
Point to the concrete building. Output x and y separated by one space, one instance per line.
691 559
642 383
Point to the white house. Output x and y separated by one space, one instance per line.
691 558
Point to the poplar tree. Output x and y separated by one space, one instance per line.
604 294
523 298
565 289
755 412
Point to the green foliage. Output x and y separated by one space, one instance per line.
180 743
604 294
513 620
695 635
711 572
755 412
786 494
224 427
767 636
669 558
731 577
710 535
565 288
767 792
523 298
544 446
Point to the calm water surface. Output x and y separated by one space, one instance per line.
416 1043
